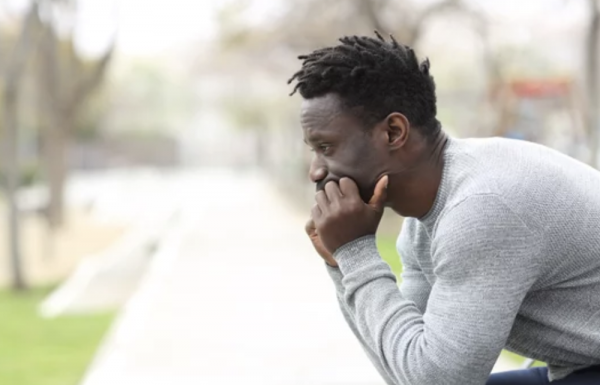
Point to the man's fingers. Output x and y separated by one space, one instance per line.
310 227
321 199
380 194
315 213
333 191
349 188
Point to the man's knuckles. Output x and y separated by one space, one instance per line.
342 209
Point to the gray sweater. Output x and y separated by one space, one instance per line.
508 257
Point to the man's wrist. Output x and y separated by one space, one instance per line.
356 253
365 239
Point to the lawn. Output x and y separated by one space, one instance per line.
38 351
387 249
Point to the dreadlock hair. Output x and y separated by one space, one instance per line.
373 78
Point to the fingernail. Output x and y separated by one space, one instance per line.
387 181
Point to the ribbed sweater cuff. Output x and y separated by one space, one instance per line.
336 276
357 254
334 272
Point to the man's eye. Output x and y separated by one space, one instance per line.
321 148
324 148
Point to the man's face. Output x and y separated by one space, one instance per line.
342 147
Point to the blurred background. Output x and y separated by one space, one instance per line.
154 180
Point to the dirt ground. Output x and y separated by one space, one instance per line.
51 257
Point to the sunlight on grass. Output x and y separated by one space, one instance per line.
387 249
38 351
517 359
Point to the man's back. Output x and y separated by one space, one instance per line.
557 199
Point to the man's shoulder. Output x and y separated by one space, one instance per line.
483 221
523 176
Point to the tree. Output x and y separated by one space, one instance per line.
304 24
300 26
67 81
11 79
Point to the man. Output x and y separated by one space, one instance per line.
501 241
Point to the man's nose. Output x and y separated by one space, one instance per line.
317 173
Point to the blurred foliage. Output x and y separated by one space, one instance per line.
29 174
146 97
34 99
38 351
302 25
270 42
248 114
88 125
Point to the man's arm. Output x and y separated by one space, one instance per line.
485 262
336 277
413 286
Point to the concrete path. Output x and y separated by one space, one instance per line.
236 295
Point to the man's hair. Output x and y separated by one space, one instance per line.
373 78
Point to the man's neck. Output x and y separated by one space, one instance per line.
414 191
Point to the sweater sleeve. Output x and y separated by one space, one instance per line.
413 286
485 261
336 277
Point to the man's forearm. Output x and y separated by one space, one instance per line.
468 317
336 277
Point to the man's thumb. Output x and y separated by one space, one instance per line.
380 194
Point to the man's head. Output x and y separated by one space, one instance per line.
363 100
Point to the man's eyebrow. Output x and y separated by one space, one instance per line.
312 139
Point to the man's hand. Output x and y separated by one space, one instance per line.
311 230
340 216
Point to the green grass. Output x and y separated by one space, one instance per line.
38 351
517 359
387 249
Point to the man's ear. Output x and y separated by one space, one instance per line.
398 129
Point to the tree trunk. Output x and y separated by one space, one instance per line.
593 118
11 163
11 80
55 160
64 97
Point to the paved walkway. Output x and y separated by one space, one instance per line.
236 296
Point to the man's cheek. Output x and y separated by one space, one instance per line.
366 187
